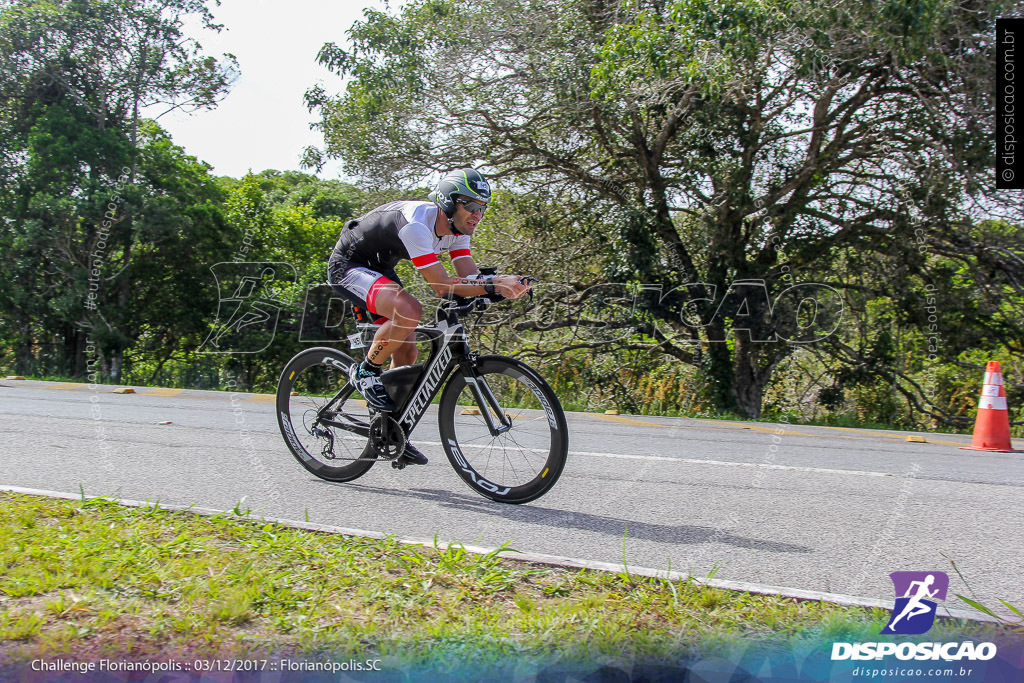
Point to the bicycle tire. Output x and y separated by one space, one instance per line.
307 382
521 464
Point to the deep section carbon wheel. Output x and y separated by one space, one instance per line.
518 454
325 427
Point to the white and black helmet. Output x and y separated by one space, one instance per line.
464 181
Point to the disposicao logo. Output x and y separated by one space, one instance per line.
916 595
914 614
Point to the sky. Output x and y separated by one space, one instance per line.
263 123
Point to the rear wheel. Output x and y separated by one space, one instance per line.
524 460
315 436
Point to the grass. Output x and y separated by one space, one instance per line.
91 579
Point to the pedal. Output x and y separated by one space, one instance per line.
398 464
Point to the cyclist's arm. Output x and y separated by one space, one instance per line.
508 286
465 266
443 283
417 241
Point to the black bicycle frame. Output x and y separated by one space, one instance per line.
448 349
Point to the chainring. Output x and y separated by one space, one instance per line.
386 437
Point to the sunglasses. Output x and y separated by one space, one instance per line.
471 205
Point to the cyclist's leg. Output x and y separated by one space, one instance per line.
405 354
383 295
360 284
396 338
398 311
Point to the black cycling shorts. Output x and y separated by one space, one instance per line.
360 284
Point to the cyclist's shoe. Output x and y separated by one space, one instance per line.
412 455
372 389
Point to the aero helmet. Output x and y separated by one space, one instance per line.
463 181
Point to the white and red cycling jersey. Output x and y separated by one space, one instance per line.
369 248
393 232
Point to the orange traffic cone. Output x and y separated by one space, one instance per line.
992 426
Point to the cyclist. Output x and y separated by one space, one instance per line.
361 268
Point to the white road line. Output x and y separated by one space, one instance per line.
727 463
695 461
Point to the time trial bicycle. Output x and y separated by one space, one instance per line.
501 425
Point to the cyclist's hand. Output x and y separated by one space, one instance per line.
512 286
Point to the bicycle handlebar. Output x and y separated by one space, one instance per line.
460 305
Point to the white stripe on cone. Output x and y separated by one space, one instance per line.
993 378
991 390
992 402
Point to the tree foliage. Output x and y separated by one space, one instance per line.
748 141
104 219
112 58
671 170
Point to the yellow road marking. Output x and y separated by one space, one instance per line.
851 429
772 430
949 443
627 420
757 428
899 436
741 425
161 391
270 398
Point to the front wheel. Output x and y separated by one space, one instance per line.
524 459
326 429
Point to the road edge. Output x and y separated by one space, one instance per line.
534 558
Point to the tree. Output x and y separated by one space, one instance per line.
112 58
740 142
284 218
90 199
162 299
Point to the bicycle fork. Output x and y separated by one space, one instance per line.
487 402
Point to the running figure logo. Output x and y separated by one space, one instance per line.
916 596
252 295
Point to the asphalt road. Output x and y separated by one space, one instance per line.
811 508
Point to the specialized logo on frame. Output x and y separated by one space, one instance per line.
917 597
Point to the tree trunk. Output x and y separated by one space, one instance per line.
749 378
718 371
72 361
116 363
